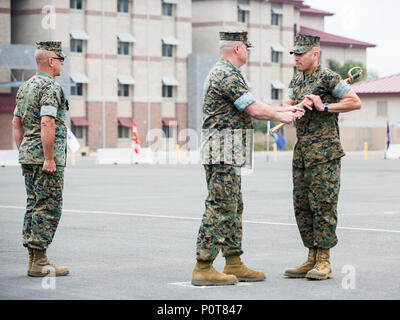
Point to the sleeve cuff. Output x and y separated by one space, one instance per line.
48 111
16 112
341 89
244 101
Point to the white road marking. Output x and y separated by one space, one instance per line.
193 218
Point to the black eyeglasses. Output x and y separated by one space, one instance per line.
58 58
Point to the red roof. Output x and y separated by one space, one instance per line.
382 86
125 122
314 12
170 122
329 39
7 102
80 121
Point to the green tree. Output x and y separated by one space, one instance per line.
344 70
260 125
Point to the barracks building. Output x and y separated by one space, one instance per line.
144 61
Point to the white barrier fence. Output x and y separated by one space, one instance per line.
9 158
128 156
393 153
146 156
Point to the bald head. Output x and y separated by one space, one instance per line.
234 51
46 64
42 57
226 47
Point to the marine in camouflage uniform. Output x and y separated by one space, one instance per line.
317 155
222 221
224 151
42 96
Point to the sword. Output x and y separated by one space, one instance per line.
350 80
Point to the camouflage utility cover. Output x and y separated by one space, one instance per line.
41 96
226 130
54 46
235 36
318 139
304 43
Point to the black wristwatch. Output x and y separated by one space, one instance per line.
326 107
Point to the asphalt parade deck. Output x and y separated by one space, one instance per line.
129 232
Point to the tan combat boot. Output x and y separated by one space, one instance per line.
42 267
301 270
204 274
322 268
236 267
30 252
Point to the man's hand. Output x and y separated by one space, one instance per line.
306 103
293 109
316 101
49 166
297 111
287 116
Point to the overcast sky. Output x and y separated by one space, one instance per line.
372 21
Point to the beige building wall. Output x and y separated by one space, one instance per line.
5 37
6 136
211 17
313 22
5 21
370 113
369 123
343 54
144 63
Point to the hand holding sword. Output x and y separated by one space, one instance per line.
309 102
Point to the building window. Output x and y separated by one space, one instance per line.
274 56
77 90
76 45
275 94
123 6
167 91
167 50
276 11
75 4
274 19
166 9
168 131
78 131
123 90
382 109
124 132
241 16
123 48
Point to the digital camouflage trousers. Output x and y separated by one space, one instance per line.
44 205
315 197
221 226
